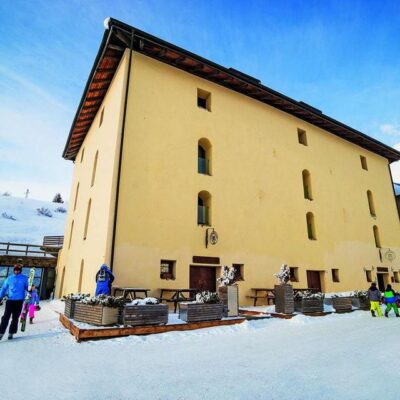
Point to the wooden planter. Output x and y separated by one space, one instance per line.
342 304
69 308
284 302
95 315
148 314
361 303
309 305
194 312
229 296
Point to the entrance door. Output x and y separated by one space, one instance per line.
314 280
202 278
381 282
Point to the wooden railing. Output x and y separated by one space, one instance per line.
53 241
8 248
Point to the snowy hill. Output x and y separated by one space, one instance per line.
20 221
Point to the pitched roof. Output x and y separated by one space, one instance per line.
119 36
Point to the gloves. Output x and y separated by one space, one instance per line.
37 307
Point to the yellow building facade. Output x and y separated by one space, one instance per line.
179 170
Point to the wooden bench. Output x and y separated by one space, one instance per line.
263 293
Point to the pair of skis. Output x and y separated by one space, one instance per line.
25 306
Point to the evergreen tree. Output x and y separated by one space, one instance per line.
57 198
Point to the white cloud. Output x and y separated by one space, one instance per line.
395 167
390 129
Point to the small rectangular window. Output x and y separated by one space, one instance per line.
204 99
335 275
364 163
302 137
294 274
101 117
239 271
167 269
396 276
368 275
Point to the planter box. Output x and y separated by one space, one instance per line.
309 305
194 312
342 304
362 304
69 309
284 302
148 314
229 296
95 315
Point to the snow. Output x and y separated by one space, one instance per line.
332 357
29 227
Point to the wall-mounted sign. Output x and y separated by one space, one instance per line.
211 237
390 255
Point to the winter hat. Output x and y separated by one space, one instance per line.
373 284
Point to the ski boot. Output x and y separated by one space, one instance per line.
386 314
373 313
1 335
10 336
397 315
31 320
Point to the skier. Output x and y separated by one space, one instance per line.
390 300
374 296
104 280
33 304
15 287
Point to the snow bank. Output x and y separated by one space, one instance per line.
28 226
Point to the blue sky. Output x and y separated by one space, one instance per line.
342 57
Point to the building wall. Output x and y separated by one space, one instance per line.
95 249
258 207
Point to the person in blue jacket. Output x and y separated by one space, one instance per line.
15 287
104 280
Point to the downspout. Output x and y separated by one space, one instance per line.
394 193
120 154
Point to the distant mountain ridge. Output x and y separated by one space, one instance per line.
21 222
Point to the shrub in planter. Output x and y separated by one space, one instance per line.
284 302
361 300
309 302
146 311
207 307
70 300
341 303
228 291
100 310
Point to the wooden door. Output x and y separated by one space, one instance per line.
202 278
381 282
314 280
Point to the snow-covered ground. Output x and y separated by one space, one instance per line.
347 357
28 226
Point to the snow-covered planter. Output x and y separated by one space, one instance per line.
284 302
309 302
342 303
207 307
100 310
228 291
360 300
70 301
146 311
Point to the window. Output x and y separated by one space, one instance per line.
307 185
87 219
371 203
80 276
239 273
203 208
368 275
377 237
364 163
311 226
396 276
335 275
204 156
83 153
94 168
302 136
204 99
167 269
76 196
70 234
101 117
294 274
